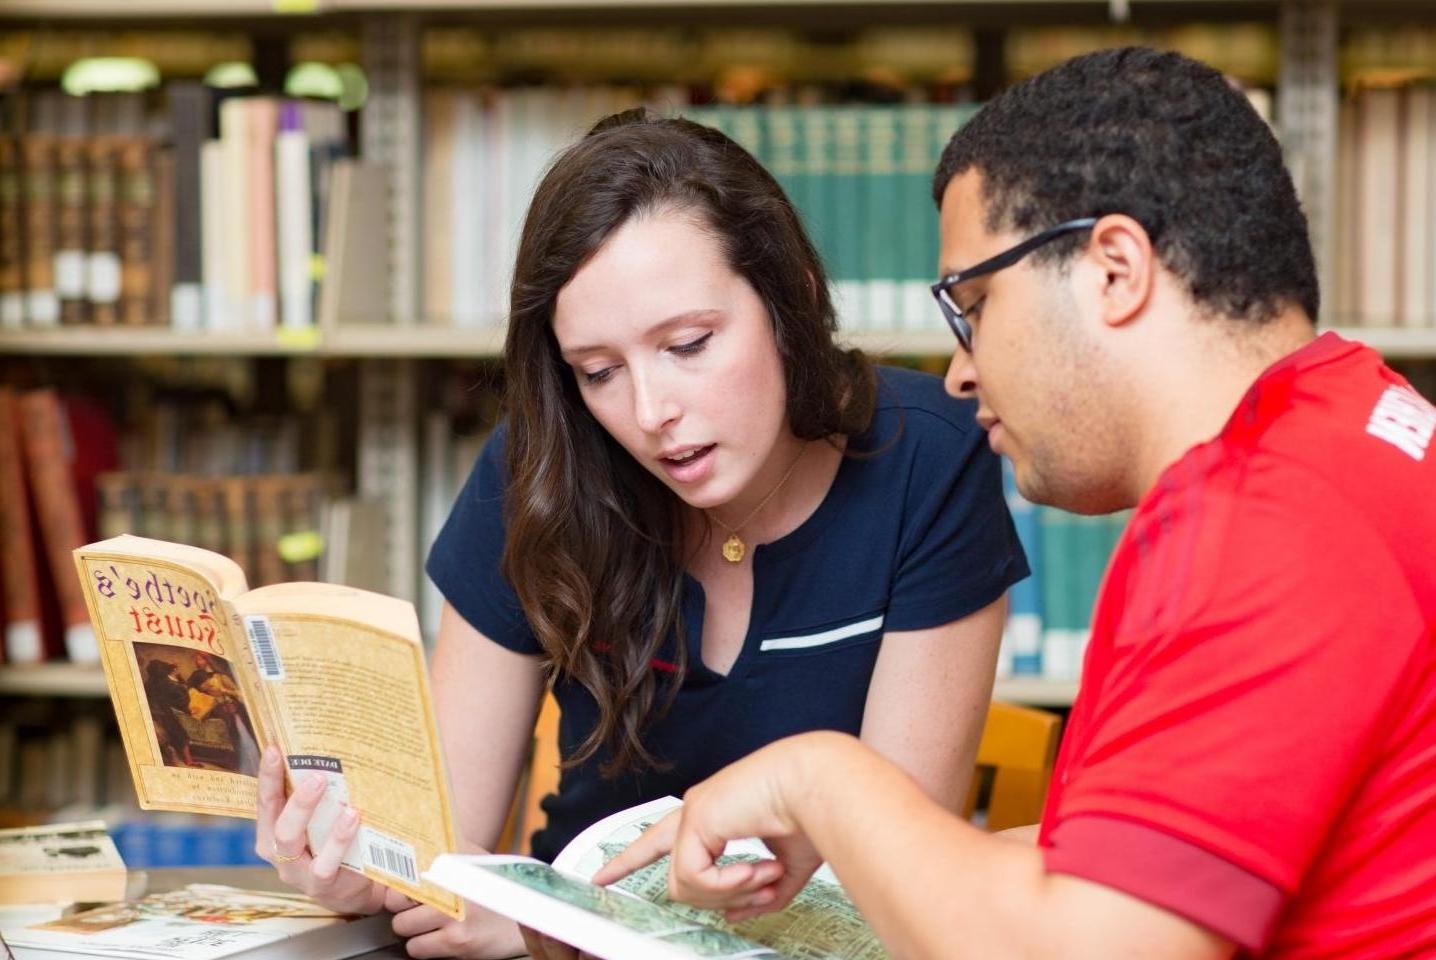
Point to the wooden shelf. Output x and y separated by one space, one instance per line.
1036 692
119 341
428 340
53 680
436 341
146 9
190 9
1395 343
488 342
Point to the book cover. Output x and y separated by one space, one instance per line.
634 919
204 673
204 922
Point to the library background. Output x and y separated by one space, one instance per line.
254 256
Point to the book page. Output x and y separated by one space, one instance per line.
601 921
342 671
821 923
171 659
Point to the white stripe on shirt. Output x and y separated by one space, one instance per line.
827 636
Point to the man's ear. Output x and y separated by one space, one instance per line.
1122 251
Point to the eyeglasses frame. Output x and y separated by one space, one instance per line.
942 289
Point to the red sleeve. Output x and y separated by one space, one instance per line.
1169 873
1246 683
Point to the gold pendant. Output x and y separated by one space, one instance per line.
733 549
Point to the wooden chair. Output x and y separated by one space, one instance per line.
1018 744
539 779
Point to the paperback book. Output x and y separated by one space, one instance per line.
203 922
204 673
60 863
634 919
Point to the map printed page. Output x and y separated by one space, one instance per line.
820 924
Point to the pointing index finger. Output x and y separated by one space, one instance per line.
654 843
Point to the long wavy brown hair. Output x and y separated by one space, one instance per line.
595 544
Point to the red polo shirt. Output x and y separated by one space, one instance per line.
1254 744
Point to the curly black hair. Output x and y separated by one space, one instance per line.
1164 139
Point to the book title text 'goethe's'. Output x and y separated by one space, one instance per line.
192 617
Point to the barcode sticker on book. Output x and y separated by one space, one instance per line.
389 854
261 641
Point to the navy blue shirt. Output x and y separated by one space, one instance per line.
911 535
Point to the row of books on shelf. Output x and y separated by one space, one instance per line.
859 174
1049 612
1386 208
861 178
242 488
65 760
206 214
268 523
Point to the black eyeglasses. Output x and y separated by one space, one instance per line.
942 290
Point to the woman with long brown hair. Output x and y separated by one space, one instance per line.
702 523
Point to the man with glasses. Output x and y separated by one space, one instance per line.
1249 765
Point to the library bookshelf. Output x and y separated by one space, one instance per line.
392 360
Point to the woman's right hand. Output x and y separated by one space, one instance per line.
281 837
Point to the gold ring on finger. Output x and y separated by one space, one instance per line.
281 858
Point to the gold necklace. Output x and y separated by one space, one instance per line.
734 549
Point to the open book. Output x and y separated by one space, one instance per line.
205 673
635 920
203 922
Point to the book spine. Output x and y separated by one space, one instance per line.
883 218
1417 289
71 189
162 229
916 245
1379 206
46 436
118 497
42 306
215 237
23 642
12 237
189 106
439 200
135 211
103 272
236 193
847 217
294 197
1023 633
263 257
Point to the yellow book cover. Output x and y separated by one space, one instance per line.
204 673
